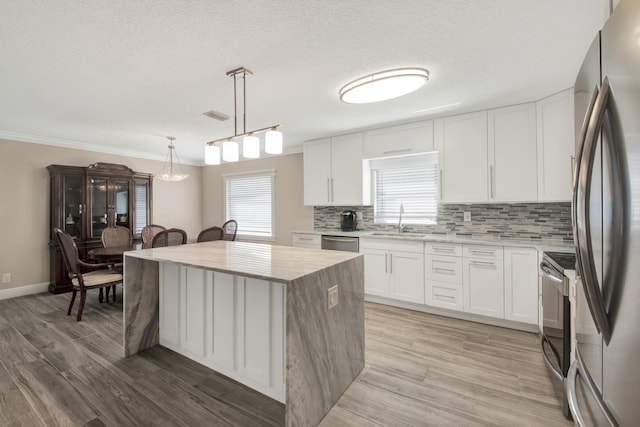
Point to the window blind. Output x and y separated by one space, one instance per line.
249 200
141 207
412 183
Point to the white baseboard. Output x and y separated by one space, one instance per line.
24 290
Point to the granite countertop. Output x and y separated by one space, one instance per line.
545 244
257 260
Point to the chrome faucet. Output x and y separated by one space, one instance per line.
400 226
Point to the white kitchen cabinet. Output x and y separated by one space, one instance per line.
483 278
410 138
521 285
461 142
334 173
556 142
512 154
394 269
306 240
443 275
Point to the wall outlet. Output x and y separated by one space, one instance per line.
6 278
467 216
332 297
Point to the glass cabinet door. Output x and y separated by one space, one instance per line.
99 206
121 202
73 206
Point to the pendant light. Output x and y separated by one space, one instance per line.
172 171
250 142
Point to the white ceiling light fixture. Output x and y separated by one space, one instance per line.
212 155
250 143
172 171
384 85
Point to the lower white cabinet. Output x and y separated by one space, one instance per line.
232 324
393 269
483 274
443 275
521 285
302 240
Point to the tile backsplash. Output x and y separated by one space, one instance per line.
522 220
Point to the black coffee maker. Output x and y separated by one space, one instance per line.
348 221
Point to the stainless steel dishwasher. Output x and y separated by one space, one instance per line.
340 243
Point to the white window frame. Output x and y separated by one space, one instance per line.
418 160
246 236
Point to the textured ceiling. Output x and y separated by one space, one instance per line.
120 75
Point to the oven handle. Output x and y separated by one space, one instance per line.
546 270
544 339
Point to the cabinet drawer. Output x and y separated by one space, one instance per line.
395 245
306 240
445 297
443 268
450 249
486 252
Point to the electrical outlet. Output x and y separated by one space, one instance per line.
332 297
467 216
6 278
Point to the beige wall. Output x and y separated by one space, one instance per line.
24 203
290 212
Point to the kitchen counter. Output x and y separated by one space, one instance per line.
545 244
254 312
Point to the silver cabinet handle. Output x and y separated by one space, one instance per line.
483 264
441 249
305 238
476 251
441 185
404 150
332 198
492 181
445 297
386 263
390 263
340 239
328 190
444 270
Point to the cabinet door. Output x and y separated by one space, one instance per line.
462 145
512 152
346 169
73 206
555 147
521 285
192 310
376 277
410 138
317 172
407 276
483 287
311 241
99 203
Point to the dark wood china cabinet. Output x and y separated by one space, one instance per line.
86 200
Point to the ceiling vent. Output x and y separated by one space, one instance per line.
213 114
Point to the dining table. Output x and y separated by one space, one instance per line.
111 255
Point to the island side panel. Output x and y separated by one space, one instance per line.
325 348
141 304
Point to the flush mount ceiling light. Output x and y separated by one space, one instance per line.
172 171
250 142
384 85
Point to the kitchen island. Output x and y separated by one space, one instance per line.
256 313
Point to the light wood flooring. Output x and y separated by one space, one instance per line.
421 370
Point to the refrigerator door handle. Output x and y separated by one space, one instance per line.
577 369
584 253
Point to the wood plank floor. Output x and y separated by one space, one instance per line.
421 370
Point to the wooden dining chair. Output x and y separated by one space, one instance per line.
230 229
211 234
148 233
169 237
116 236
98 276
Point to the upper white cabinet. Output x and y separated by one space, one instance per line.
462 145
410 138
334 172
512 154
555 147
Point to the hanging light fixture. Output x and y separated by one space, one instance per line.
172 171
250 142
384 85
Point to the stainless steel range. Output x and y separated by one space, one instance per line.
555 339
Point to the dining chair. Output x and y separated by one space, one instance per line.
116 236
211 234
169 237
99 275
230 229
148 233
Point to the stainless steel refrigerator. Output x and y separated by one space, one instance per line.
603 383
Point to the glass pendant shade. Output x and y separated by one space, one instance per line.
212 155
230 151
172 171
273 142
251 147
384 85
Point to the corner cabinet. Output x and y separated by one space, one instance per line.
334 172
86 200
